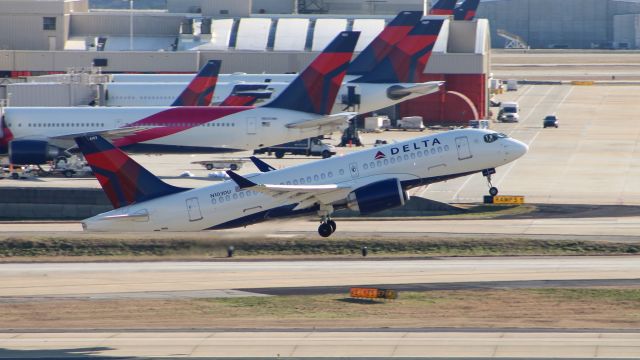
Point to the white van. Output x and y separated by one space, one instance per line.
509 112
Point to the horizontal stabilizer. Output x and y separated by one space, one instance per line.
140 216
261 165
336 120
422 89
110 134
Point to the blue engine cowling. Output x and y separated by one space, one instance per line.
377 196
32 152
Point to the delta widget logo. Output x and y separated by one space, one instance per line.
380 155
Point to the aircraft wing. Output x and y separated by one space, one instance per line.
336 120
304 195
110 134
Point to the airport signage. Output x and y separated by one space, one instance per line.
373 293
508 199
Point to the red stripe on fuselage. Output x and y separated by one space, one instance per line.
177 119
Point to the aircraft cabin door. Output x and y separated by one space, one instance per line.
462 144
193 208
251 125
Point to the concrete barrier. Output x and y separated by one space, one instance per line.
51 203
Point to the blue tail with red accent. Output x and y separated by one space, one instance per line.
200 90
382 45
247 95
407 60
316 88
466 10
443 7
123 180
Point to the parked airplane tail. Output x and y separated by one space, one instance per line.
382 45
443 7
123 180
200 90
408 59
5 136
466 10
315 89
247 95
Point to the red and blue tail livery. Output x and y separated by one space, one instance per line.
315 89
408 59
124 181
200 90
466 10
443 7
382 45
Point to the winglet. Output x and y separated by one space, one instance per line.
261 165
200 90
241 181
466 10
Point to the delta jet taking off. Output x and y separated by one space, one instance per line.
366 181
302 110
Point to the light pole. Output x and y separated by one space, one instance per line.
130 25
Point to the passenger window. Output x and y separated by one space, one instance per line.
399 158
235 196
221 199
406 157
433 150
379 163
386 162
419 154
426 153
341 172
372 164
330 174
227 198
365 166
446 148
213 201
413 156
295 182
242 195
439 149
301 180
316 177
308 179
322 176
288 182
393 160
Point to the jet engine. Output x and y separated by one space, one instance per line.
377 196
32 152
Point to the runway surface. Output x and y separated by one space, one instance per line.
103 279
462 344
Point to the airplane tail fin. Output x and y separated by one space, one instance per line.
443 7
124 181
466 10
407 60
246 95
5 136
200 90
380 47
315 89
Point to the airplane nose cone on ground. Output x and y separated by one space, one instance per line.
515 149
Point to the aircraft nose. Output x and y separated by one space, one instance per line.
516 149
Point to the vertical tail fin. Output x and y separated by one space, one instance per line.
315 89
200 90
443 7
407 60
5 136
380 47
123 180
466 10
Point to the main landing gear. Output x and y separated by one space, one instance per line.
493 191
327 226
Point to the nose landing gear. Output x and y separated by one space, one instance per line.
493 191
327 226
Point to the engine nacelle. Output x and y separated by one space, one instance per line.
377 196
32 152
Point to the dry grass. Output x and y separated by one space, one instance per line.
550 308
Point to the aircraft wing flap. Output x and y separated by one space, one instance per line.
335 120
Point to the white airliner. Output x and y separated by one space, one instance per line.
397 57
36 135
367 181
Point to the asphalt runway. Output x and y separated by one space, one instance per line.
103 280
321 344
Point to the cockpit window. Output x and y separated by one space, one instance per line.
489 138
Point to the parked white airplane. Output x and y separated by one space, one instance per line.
302 110
367 181
397 57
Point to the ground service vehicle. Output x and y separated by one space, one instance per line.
308 147
550 121
509 112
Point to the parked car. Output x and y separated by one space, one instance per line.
550 121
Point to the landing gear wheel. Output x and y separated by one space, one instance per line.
209 166
325 230
333 225
493 191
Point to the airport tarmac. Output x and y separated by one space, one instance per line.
318 344
44 280
592 158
